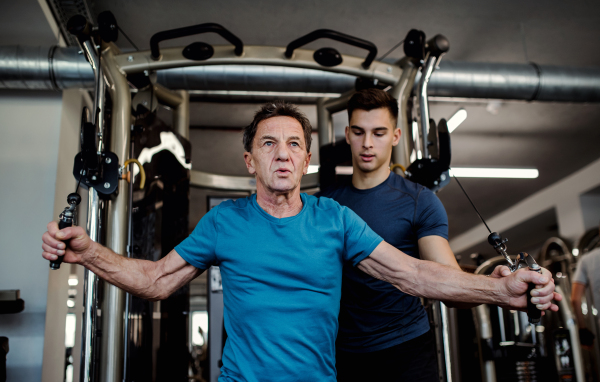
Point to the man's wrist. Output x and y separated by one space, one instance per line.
89 256
500 291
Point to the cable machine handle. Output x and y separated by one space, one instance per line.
193 30
64 222
337 36
533 312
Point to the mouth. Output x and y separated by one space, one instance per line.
367 157
283 171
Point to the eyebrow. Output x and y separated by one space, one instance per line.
377 128
266 137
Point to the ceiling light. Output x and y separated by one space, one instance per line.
73 280
456 119
472 172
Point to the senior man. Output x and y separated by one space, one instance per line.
281 254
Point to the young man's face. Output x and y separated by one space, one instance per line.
371 136
279 157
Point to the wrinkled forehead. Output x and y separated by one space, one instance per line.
281 127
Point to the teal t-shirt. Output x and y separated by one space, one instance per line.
281 284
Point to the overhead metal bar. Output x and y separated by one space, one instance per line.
138 62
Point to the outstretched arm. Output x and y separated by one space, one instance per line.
437 248
146 279
442 282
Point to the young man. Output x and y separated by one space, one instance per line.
379 324
281 254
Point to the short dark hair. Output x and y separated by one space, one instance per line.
370 99
277 109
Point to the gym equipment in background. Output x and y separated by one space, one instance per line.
10 303
431 167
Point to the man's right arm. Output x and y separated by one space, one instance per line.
146 279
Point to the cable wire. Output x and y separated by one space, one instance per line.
390 51
128 39
476 210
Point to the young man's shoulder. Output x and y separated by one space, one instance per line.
395 182
402 184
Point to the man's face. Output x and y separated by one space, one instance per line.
278 157
371 136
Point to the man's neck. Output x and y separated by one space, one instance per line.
366 180
279 204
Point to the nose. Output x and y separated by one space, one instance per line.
282 153
367 141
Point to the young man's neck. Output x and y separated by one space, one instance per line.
366 180
279 204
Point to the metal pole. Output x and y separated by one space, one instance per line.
88 324
181 115
446 340
484 324
569 320
129 254
117 223
424 103
324 123
401 91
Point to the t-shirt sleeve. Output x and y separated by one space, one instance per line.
198 249
359 239
430 216
581 274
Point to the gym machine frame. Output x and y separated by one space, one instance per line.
111 68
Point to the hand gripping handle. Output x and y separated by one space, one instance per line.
63 223
66 220
533 312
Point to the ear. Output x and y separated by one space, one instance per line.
397 134
249 162
347 134
306 164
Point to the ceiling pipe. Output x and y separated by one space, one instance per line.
529 82
58 68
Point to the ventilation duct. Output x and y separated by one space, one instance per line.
63 68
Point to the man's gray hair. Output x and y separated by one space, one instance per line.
277 109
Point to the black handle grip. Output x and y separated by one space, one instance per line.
55 264
533 313
192 30
337 36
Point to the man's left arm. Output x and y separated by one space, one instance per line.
436 248
429 279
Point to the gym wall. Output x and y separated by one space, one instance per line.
30 125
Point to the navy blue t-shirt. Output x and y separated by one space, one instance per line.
375 315
281 284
